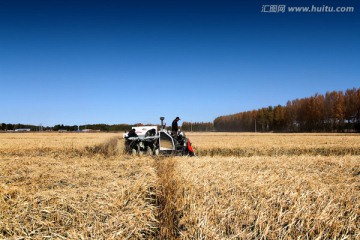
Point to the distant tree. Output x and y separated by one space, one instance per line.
318 112
334 111
290 116
279 118
357 120
197 126
351 104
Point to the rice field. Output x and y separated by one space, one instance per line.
241 186
268 144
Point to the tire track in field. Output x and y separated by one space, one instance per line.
167 185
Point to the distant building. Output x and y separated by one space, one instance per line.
22 130
90 130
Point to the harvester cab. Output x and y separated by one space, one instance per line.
149 140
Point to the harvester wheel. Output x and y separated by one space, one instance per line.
149 151
133 151
156 152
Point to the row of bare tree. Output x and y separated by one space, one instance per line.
197 126
336 111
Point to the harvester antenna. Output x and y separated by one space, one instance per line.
162 122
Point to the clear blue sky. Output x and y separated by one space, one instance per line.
81 62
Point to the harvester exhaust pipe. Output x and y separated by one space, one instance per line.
162 122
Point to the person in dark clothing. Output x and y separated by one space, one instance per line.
174 126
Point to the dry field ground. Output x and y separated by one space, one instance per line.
242 186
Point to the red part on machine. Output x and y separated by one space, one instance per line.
190 147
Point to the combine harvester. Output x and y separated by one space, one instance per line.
148 140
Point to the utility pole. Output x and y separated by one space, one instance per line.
255 124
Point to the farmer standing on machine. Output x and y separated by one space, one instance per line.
174 126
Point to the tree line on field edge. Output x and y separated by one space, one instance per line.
186 126
70 128
335 111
